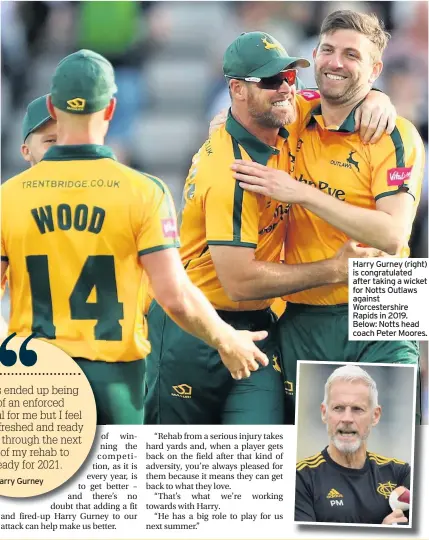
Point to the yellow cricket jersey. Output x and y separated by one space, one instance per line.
218 212
335 161
73 227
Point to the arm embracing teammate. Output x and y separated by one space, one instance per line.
231 243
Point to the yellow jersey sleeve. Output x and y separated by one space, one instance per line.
398 162
155 218
231 214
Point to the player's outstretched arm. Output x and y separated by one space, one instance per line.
191 310
245 278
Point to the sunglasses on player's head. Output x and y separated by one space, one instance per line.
273 83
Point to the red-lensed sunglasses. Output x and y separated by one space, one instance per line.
274 83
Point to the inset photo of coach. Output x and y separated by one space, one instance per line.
355 443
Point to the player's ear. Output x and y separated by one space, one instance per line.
238 89
110 109
376 415
25 152
315 51
323 412
50 107
376 71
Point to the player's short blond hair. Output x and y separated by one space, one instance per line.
351 373
367 24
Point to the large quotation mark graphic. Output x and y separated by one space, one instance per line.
8 358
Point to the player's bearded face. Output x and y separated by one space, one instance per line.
272 108
344 66
349 416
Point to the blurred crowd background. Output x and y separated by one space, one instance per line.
397 414
168 62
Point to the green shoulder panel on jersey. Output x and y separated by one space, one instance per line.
399 147
165 190
153 180
222 141
382 460
170 207
312 462
405 139
238 199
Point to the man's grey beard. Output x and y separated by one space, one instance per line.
349 448
346 448
269 119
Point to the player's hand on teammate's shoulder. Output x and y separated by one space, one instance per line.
375 116
397 516
353 250
240 355
269 182
218 121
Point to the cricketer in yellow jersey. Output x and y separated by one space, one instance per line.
366 192
77 230
39 132
231 249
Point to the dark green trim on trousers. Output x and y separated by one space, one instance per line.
187 383
118 390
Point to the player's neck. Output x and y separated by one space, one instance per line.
264 134
334 114
67 136
351 461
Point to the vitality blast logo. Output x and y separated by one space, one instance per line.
169 228
398 176
309 95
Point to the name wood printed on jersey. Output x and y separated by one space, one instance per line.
65 217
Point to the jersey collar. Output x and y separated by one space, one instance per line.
345 470
257 150
78 152
348 126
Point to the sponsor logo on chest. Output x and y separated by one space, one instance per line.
386 489
279 215
335 498
349 163
324 186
